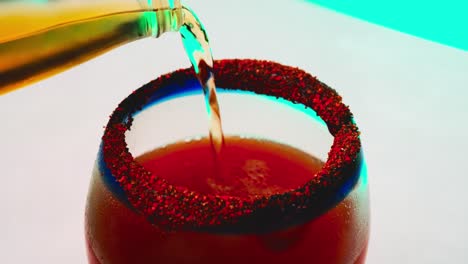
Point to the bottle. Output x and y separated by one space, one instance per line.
41 38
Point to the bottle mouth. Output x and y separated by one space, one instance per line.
160 4
179 208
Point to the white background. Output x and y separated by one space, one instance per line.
408 96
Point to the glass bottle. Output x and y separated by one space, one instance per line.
41 38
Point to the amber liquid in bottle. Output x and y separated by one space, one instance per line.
40 40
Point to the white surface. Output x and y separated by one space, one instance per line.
408 96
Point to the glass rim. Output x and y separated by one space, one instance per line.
178 208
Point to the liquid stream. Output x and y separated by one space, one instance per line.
198 49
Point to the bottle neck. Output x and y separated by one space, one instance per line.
162 16
164 20
160 4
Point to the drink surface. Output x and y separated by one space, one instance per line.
245 168
116 234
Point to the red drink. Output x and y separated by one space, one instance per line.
249 167
261 201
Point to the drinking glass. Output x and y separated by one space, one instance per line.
135 215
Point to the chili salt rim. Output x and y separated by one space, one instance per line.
176 207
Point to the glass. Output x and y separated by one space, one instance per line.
135 215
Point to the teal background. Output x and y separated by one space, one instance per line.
445 22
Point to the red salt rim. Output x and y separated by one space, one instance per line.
177 207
